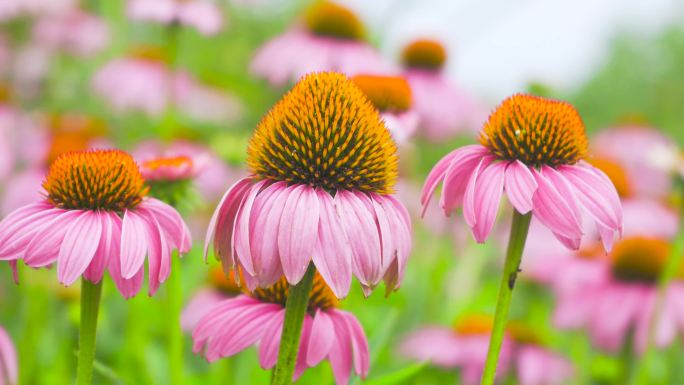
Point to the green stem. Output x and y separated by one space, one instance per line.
295 310
516 244
90 307
174 333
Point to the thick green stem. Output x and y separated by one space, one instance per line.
295 310
516 244
90 307
174 333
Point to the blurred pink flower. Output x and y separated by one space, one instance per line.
465 347
257 318
9 369
203 15
10 9
614 296
649 169
87 231
547 178
444 109
220 287
76 32
209 104
330 38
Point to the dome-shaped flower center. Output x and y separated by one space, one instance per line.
150 53
615 172
387 93
226 284
334 20
72 132
95 180
537 131
325 133
424 54
523 333
640 259
321 296
167 169
474 324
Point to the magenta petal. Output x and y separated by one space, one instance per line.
158 253
400 228
556 210
359 343
458 175
520 186
265 221
322 337
341 352
201 303
270 341
19 219
242 235
20 231
300 366
97 266
298 230
332 253
222 223
469 209
79 246
127 287
43 249
133 244
487 197
438 173
599 198
359 225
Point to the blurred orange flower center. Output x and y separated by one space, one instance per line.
95 180
424 54
321 296
227 284
615 172
149 53
387 93
535 130
640 259
330 19
72 132
474 324
168 163
325 133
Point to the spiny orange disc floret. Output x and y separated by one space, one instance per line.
615 172
321 296
424 54
333 20
387 93
640 259
325 133
535 130
472 324
95 180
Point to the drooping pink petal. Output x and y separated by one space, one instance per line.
199 305
222 223
265 221
322 338
16 230
341 352
158 254
298 230
80 243
97 266
176 232
133 246
556 211
332 253
599 198
400 227
300 366
8 359
211 324
43 248
458 176
241 236
359 343
270 341
520 186
127 287
487 198
359 225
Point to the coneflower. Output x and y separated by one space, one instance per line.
323 167
94 217
532 149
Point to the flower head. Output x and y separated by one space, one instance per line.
333 20
532 149
257 318
173 168
425 54
203 15
96 215
8 360
322 164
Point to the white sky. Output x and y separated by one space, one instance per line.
497 46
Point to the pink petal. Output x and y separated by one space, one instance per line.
199 305
599 198
520 186
78 247
223 222
241 236
458 176
341 352
297 231
300 366
158 253
265 219
359 344
176 231
440 169
322 338
270 341
133 244
554 207
487 198
97 266
332 253
43 249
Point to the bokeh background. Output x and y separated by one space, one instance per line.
619 62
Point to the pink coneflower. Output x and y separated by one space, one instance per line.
331 38
444 110
203 15
257 318
616 298
391 95
95 216
649 169
76 32
465 347
323 165
221 286
532 149
8 360
11 9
